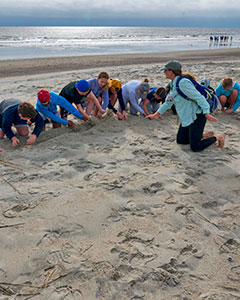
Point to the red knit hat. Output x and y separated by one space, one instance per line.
43 96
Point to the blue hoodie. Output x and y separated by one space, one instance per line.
50 111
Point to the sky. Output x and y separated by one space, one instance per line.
170 13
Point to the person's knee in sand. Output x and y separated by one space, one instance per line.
47 105
192 114
228 102
80 94
228 93
99 87
133 91
18 113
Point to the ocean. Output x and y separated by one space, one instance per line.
33 42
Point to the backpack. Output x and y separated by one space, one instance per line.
207 93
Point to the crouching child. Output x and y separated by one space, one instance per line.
14 112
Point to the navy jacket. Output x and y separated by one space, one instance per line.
11 116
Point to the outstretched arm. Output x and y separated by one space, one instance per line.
156 115
144 106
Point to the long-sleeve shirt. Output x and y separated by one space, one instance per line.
130 94
98 91
50 111
187 110
11 116
120 99
221 91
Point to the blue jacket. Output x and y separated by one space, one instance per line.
221 91
11 116
97 91
187 110
50 111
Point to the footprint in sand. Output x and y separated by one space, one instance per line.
153 188
230 246
66 293
15 210
83 165
3 274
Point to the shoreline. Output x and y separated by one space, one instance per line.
118 207
34 66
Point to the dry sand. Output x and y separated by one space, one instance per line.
116 209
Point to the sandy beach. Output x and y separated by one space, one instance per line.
116 210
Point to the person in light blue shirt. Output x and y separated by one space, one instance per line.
47 106
228 93
99 87
132 92
191 113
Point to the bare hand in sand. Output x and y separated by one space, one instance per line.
210 118
124 115
153 116
15 141
2 150
102 111
85 117
99 115
71 124
119 115
32 139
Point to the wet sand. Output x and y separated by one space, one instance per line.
58 64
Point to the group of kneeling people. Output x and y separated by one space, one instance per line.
94 96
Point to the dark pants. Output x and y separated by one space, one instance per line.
192 135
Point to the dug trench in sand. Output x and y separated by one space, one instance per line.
116 209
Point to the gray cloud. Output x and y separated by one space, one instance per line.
118 9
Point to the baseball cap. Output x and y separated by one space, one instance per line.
173 65
143 90
161 92
82 85
43 96
205 81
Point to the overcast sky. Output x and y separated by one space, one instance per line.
200 13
